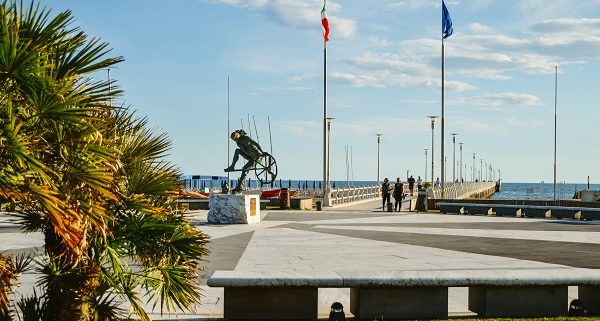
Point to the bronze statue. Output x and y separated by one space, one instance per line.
263 163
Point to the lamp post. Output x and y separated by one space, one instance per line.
555 99
378 143
445 168
327 187
460 146
473 169
454 157
425 179
486 171
480 169
432 150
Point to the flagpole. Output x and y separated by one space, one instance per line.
555 102
325 160
442 129
228 133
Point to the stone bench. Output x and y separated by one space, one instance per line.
478 209
508 210
590 214
450 208
536 211
537 292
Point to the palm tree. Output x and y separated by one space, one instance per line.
91 177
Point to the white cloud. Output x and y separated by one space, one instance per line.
298 14
355 80
499 101
477 27
379 42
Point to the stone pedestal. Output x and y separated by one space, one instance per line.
271 303
399 303
590 296
518 302
234 209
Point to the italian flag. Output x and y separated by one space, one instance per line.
325 23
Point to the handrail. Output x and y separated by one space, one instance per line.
461 190
353 194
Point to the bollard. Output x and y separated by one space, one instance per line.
319 206
284 198
390 207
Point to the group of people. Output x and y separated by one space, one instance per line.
397 191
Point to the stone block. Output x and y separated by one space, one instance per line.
302 203
234 209
271 303
590 296
399 303
518 301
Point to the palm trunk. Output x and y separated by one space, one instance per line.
68 295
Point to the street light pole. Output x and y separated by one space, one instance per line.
480 169
454 157
378 143
460 145
432 149
555 99
473 168
425 179
445 167
327 194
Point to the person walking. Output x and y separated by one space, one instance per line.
385 192
419 183
411 184
437 183
398 194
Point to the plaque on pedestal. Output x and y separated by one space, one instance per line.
234 209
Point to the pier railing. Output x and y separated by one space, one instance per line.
464 190
354 194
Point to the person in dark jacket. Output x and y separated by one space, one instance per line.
411 184
248 149
385 192
398 194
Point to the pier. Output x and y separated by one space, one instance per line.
469 190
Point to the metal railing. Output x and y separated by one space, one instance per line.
354 194
461 190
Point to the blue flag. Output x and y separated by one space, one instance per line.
447 30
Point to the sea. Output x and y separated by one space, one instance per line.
528 191
540 191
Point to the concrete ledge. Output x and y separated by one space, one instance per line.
393 303
523 301
473 277
276 295
271 303
266 279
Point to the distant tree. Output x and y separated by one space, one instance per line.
90 176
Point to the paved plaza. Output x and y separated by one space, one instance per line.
362 237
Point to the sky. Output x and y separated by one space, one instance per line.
384 76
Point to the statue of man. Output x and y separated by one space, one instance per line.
248 149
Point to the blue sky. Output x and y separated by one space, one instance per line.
384 76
